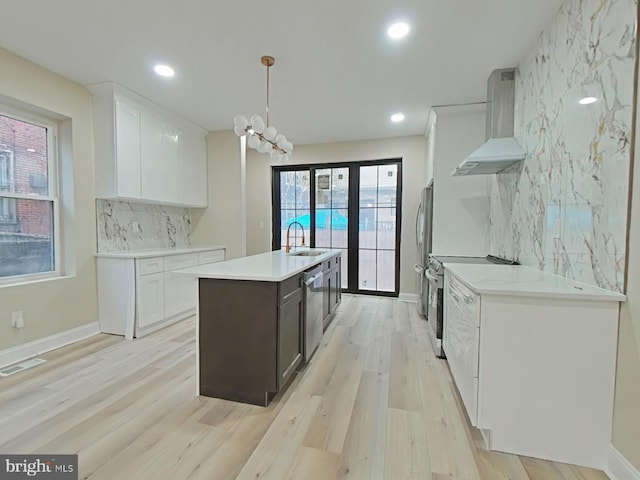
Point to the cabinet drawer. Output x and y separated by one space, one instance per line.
175 262
211 256
150 265
289 287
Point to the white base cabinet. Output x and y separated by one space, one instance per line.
463 340
151 293
137 296
536 374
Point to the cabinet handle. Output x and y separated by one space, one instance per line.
455 296
431 277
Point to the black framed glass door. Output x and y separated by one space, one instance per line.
354 207
331 229
378 247
293 203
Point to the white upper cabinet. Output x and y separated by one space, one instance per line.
159 162
460 204
144 153
127 150
191 173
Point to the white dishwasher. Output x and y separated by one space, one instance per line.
313 297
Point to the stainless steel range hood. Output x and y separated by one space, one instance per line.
500 150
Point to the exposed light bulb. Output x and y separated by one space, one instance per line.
270 133
288 147
253 142
264 147
281 141
240 121
257 123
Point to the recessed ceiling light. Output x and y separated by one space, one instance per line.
398 30
397 117
587 100
164 70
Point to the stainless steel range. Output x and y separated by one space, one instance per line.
435 309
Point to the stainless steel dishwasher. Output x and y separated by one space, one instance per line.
313 296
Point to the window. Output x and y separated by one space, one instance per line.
28 196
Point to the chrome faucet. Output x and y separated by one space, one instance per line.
288 248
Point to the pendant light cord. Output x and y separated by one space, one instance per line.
268 67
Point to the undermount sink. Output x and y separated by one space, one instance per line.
307 253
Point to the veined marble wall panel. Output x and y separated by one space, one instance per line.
564 209
124 226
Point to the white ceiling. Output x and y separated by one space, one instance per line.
337 76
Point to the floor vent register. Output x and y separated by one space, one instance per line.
18 367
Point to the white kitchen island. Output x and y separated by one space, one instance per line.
251 322
264 267
533 356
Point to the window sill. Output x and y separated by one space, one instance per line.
30 280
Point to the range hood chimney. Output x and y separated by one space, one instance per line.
500 150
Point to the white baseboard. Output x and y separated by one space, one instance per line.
619 468
144 331
46 344
408 297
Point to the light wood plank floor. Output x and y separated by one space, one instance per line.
374 403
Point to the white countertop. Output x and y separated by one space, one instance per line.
526 281
266 267
160 252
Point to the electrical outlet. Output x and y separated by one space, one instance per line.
17 319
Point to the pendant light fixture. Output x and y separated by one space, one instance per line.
260 135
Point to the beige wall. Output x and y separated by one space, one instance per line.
220 223
626 413
412 150
56 305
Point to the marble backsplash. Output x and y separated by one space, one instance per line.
564 209
124 226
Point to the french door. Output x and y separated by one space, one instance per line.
354 207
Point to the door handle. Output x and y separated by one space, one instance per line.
417 219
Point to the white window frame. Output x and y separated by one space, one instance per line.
53 192
8 156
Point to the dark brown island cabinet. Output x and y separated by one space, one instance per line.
331 272
251 337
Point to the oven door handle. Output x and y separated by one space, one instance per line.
430 276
